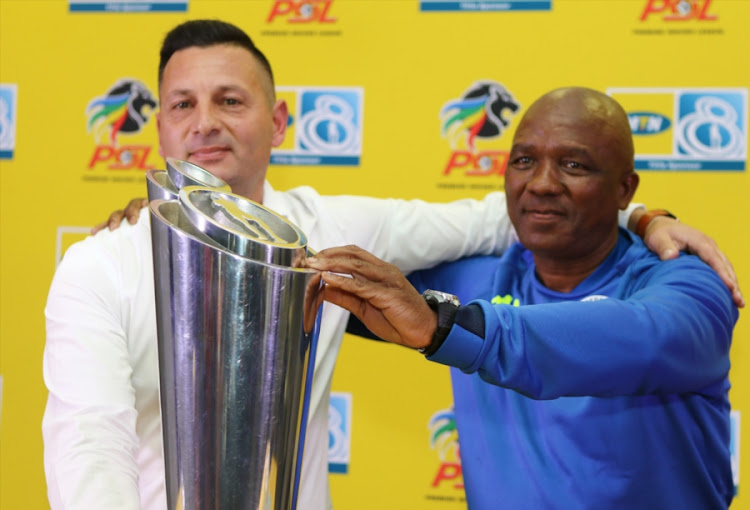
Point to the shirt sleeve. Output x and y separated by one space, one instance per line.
623 217
89 424
413 234
671 335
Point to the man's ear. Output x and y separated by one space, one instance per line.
280 120
628 185
158 130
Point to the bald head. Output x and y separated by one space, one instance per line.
589 108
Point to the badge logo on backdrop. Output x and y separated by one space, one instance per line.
121 112
484 5
128 6
301 18
324 127
687 129
8 95
301 11
678 10
734 447
693 17
339 432
447 481
484 112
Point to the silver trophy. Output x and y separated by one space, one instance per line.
237 322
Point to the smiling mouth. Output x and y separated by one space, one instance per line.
208 153
543 213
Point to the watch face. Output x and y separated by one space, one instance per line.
436 297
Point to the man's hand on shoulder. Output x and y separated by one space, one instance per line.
131 212
666 237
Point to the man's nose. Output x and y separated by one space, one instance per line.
545 179
207 120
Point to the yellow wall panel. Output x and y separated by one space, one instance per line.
410 65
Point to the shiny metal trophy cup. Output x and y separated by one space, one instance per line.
237 328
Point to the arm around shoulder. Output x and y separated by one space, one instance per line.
414 234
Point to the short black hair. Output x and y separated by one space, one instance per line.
208 32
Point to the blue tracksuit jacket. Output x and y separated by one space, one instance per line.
615 397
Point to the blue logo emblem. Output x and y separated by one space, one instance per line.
8 94
325 127
712 125
339 432
687 128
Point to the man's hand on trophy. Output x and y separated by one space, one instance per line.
131 212
313 300
377 293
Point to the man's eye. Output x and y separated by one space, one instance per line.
521 161
231 101
575 168
182 105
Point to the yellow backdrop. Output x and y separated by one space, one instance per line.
401 66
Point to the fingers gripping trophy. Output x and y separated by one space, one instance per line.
237 322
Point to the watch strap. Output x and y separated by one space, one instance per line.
446 306
645 219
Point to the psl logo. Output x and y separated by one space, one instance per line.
125 108
304 11
679 10
444 440
484 111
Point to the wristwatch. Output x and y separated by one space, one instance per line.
645 219
446 305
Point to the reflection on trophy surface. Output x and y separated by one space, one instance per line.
237 328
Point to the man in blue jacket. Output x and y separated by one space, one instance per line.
611 390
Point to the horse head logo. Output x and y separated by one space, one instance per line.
444 436
484 111
125 108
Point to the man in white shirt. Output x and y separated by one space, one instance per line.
101 427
